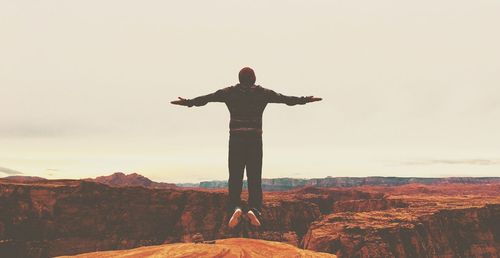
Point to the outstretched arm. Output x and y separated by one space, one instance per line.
274 97
218 96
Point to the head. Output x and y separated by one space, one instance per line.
247 76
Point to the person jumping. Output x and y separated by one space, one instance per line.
246 103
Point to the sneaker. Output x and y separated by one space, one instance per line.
253 215
235 219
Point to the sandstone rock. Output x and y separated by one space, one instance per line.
233 247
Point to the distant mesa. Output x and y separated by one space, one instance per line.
284 184
119 179
22 179
231 247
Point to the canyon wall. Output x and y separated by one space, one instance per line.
469 232
69 217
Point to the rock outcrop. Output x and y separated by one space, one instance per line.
440 224
225 248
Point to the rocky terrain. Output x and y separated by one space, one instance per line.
67 217
232 247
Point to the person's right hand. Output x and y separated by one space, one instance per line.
181 102
312 99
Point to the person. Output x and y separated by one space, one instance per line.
246 103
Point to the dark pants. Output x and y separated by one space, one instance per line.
245 150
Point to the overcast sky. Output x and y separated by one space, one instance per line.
410 88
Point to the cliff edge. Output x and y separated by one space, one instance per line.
231 247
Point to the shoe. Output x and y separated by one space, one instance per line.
235 219
253 215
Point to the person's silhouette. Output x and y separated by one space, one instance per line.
246 103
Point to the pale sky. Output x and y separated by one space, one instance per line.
410 88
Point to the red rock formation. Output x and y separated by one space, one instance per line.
433 224
233 247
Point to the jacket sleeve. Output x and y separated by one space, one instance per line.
274 97
218 96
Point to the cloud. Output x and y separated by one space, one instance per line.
9 171
479 162
34 131
46 129
49 171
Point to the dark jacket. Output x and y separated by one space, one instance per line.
246 105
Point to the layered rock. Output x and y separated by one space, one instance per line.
233 247
425 225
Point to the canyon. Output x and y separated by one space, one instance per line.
67 217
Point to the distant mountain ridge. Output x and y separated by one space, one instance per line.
117 179
120 179
282 184
24 178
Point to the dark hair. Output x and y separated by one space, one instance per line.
247 76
